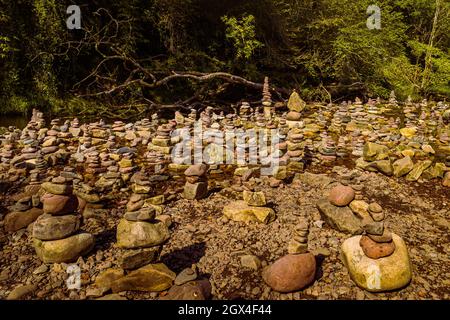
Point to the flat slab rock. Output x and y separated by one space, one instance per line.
340 218
241 211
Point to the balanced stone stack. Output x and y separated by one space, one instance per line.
267 100
295 105
327 149
299 241
196 186
378 260
296 270
335 210
161 143
139 232
55 233
296 150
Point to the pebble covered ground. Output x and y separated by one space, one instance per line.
203 237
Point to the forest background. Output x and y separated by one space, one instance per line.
132 56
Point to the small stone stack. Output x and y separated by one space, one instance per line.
196 186
37 174
377 240
161 143
74 128
327 149
244 111
55 233
299 241
7 152
118 128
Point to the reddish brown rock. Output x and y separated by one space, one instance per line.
376 250
17 220
59 204
291 272
341 196
193 290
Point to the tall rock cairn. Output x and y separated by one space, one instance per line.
56 233
267 100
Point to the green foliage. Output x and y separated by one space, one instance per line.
320 47
242 34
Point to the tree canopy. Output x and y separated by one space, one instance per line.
139 53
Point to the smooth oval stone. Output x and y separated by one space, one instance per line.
341 195
291 272
141 234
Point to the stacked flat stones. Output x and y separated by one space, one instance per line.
55 233
296 105
377 240
299 241
296 270
139 232
196 186
378 260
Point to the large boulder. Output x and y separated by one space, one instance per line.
132 235
340 218
153 278
384 274
18 220
403 166
64 250
373 152
291 272
383 166
241 211
408 132
341 195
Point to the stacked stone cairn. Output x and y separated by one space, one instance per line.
295 105
378 260
297 269
196 186
56 233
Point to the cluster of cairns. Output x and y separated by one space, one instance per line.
79 168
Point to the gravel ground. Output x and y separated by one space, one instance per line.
200 235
